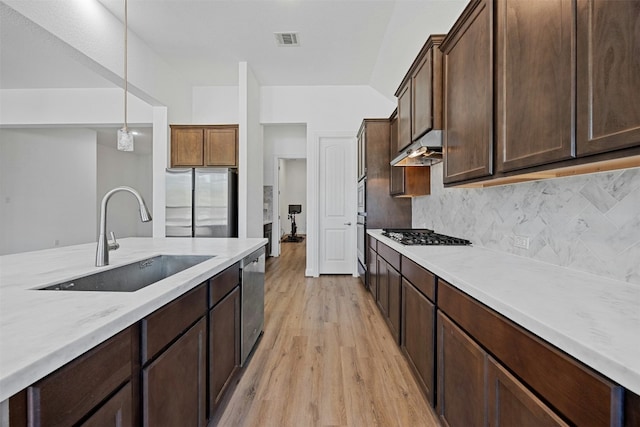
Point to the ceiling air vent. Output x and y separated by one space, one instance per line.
287 39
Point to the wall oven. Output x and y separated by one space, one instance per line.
362 193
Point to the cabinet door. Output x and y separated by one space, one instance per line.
116 412
174 385
608 80
396 177
511 404
468 96
221 147
372 272
462 365
418 336
404 118
362 154
383 286
187 147
422 97
224 345
395 293
534 75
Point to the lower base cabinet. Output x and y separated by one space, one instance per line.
512 404
418 337
117 411
174 384
224 345
162 371
461 377
475 390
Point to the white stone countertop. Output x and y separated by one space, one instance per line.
41 331
592 318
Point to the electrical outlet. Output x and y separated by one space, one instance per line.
521 242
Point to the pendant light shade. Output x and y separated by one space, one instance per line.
125 136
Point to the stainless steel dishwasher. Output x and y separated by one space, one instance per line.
252 302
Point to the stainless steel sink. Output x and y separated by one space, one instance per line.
131 277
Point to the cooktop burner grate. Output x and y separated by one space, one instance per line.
422 236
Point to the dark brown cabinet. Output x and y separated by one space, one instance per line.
382 209
372 273
512 404
70 394
468 377
174 384
406 181
608 75
203 146
534 74
461 377
468 95
582 397
404 117
420 95
418 324
224 345
389 287
174 368
426 89
116 412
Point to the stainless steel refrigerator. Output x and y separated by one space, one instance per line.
202 202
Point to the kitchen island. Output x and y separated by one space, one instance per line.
41 330
527 314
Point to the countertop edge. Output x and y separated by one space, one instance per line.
605 364
18 379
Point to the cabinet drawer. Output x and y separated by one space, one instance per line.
117 411
583 396
164 325
419 277
68 394
373 243
223 283
391 256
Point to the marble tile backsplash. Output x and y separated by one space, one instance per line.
268 203
589 223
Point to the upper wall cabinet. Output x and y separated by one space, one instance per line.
534 70
420 95
468 95
608 71
566 77
204 146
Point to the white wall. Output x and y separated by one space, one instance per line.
91 35
117 168
282 141
293 191
411 23
47 188
251 192
22 107
215 104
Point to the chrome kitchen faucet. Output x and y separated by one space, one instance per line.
104 246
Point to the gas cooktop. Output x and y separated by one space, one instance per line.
422 236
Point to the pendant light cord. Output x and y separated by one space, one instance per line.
125 62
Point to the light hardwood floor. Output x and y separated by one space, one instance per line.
326 358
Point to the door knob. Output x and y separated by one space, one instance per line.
347 223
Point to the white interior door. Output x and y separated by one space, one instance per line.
337 205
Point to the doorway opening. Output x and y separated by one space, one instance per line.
291 202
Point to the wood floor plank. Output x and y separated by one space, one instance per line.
326 358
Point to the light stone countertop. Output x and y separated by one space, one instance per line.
592 318
41 331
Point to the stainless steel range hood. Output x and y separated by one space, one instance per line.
426 151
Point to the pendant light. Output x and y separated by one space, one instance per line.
125 136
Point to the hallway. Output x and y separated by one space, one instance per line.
326 358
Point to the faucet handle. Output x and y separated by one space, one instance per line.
113 245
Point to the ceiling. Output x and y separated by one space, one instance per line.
342 42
